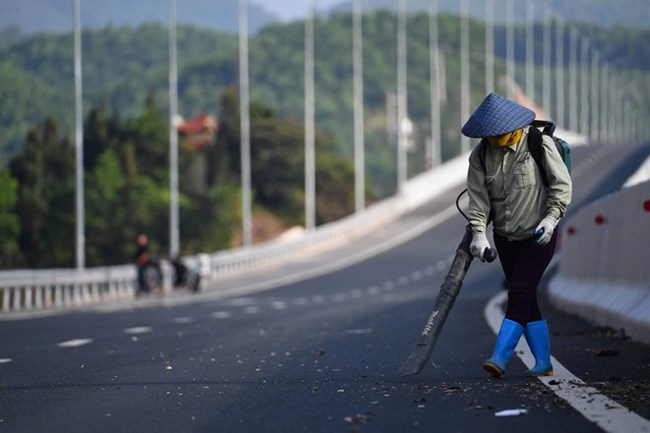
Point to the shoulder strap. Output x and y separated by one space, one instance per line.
482 152
536 150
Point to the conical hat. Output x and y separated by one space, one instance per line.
497 116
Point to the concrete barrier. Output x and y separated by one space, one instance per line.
604 271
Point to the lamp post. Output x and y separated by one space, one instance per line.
310 164
359 145
79 139
402 110
174 232
244 114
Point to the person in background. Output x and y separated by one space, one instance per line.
141 259
505 187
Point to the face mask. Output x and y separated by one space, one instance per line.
506 139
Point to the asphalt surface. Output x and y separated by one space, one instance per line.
320 354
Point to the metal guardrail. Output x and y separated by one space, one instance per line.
27 290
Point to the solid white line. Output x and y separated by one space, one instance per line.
75 343
609 415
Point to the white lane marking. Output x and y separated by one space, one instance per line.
301 302
76 342
183 320
240 302
278 305
352 259
374 290
252 309
221 314
138 330
5 360
609 415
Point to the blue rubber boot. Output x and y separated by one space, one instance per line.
538 339
507 339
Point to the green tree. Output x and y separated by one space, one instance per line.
9 223
45 172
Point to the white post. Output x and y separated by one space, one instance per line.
584 87
244 114
573 80
434 84
560 73
510 48
489 46
310 170
464 72
604 104
546 77
79 140
530 52
402 110
595 102
359 145
174 232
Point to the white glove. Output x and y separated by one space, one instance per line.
479 245
544 230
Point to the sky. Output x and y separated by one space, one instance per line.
288 10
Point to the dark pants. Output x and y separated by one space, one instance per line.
523 264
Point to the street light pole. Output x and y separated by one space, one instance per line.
174 232
434 85
402 110
359 145
245 145
79 171
464 71
310 122
489 46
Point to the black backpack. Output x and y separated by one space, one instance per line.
535 146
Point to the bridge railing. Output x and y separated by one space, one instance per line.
68 288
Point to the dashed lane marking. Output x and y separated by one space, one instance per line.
5 360
183 320
138 330
252 309
221 314
248 307
278 305
75 343
609 415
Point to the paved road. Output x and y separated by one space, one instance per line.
321 354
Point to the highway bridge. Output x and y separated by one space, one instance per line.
306 333
313 343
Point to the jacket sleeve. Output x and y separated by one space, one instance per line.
479 199
559 190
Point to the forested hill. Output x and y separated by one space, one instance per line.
122 65
56 15
626 13
37 16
